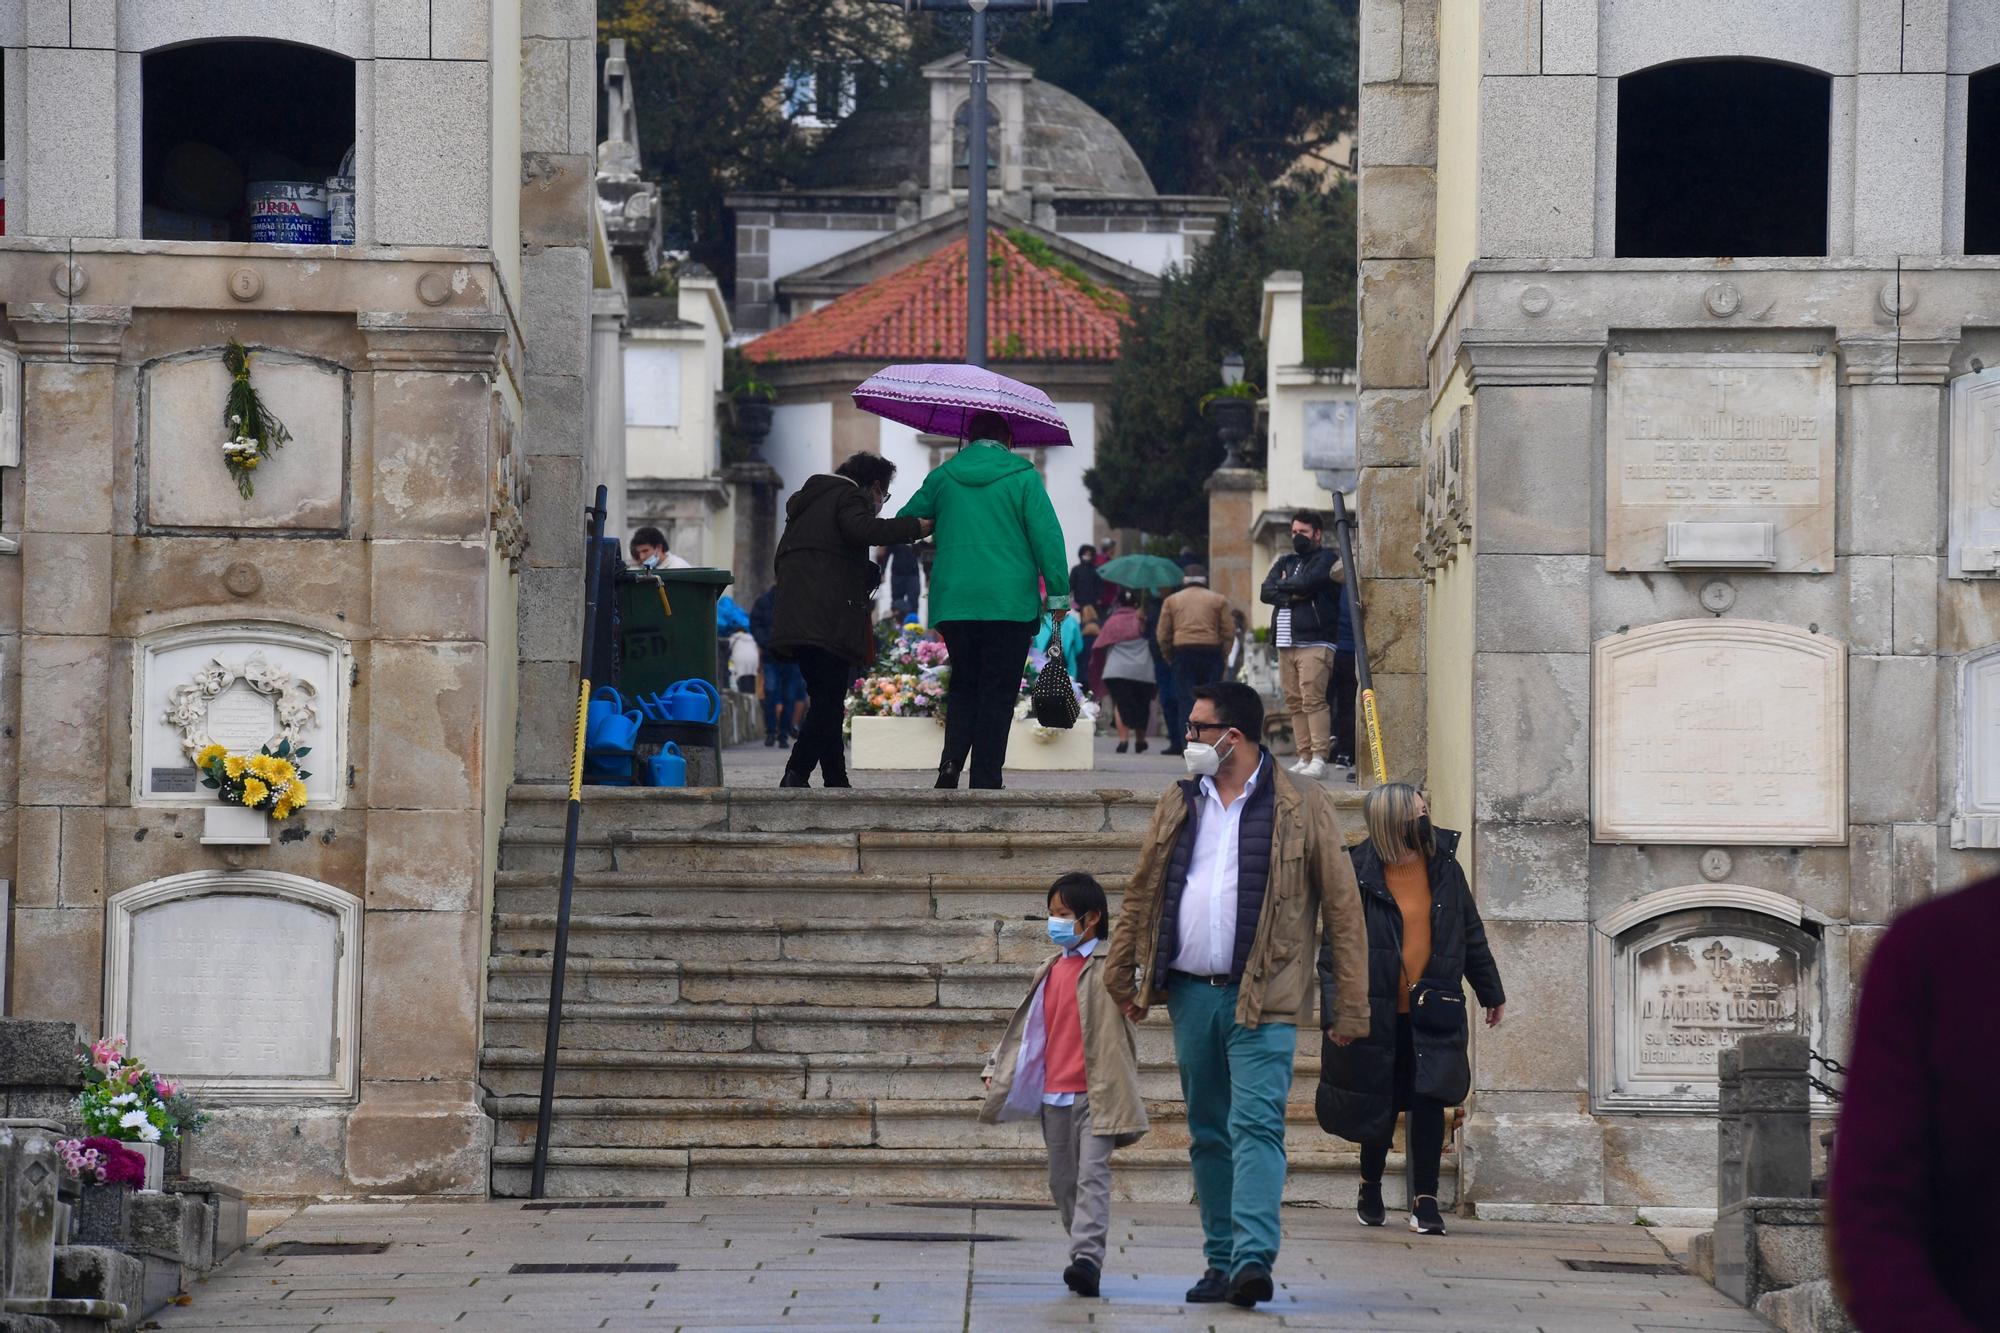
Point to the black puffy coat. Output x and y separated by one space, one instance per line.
826 582
1309 585
1356 1097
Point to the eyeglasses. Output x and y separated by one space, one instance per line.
1195 729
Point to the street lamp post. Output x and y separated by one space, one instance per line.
976 133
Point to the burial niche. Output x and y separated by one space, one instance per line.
1975 822
1719 731
1682 975
1722 157
1982 163
243 983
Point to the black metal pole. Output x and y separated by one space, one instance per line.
1343 529
975 225
559 963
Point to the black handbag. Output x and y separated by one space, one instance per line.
1436 1009
1052 698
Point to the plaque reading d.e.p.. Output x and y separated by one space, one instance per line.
1719 460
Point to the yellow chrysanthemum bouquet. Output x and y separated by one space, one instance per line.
269 780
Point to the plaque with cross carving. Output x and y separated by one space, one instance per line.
1719 460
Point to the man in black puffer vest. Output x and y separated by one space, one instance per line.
1241 870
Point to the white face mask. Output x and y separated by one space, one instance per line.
652 562
1204 760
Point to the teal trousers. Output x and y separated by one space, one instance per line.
1236 1081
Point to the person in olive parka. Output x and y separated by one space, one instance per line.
1425 940
826 598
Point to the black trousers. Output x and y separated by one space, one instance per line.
819 745
1340 692
1426 1124
987 657
1134 699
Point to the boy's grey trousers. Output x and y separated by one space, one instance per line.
1079 1177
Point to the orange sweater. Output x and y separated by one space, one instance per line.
1410 886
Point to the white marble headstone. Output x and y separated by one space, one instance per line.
1975 475
1976 820
1719 731
242 983
1698 440
242 686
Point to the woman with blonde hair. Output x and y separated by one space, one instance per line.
1425 940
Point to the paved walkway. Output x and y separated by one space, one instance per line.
757 765
779 1264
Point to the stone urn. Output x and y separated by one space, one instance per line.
1232 418
753 420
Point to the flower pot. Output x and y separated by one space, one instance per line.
234 826
918 742
1232 416
103 1214
156 1159
897 742
753 420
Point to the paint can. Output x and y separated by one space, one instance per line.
288 212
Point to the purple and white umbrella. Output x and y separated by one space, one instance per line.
941 398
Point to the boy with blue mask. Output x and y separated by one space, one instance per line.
1069 1058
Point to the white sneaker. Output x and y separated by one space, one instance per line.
1317 768
1299 767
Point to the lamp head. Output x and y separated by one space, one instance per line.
1232 370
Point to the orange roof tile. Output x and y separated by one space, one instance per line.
1034 313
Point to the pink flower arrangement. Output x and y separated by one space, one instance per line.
102 1161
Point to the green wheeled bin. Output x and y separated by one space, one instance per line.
664 639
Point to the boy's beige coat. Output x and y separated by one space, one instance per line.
1110 1056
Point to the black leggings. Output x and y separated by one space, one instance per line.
819 745
1426 1125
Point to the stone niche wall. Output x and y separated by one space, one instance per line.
361 572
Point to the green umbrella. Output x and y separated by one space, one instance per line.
1141 571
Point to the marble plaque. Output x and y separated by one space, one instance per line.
1975 476
1447 520
304 484
1719 438
1719 731
1688 986
242 686
1975 822
240 982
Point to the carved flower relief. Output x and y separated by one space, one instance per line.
296 702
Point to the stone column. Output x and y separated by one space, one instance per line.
555 314
418 1128
1536 446
607 409
1396 182
39 1074
1232 508
61 759
30 1173
757 487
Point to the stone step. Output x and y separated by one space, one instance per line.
766 939
863 1075
769 810
666 981
997 893
1140 1174
784 1029
689 852
654 1122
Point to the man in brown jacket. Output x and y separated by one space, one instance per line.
1195 632
1240 870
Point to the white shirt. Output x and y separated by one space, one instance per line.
1208 903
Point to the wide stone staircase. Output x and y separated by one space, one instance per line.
779 992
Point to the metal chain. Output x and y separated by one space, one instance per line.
1834 1069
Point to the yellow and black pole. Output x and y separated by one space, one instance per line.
1343 531
593 565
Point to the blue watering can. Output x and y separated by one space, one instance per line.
605 704
691 700
619 731
668 768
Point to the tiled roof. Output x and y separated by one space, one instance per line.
1036 311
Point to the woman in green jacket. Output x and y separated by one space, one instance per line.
997 534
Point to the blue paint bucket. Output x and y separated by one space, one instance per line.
288 212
